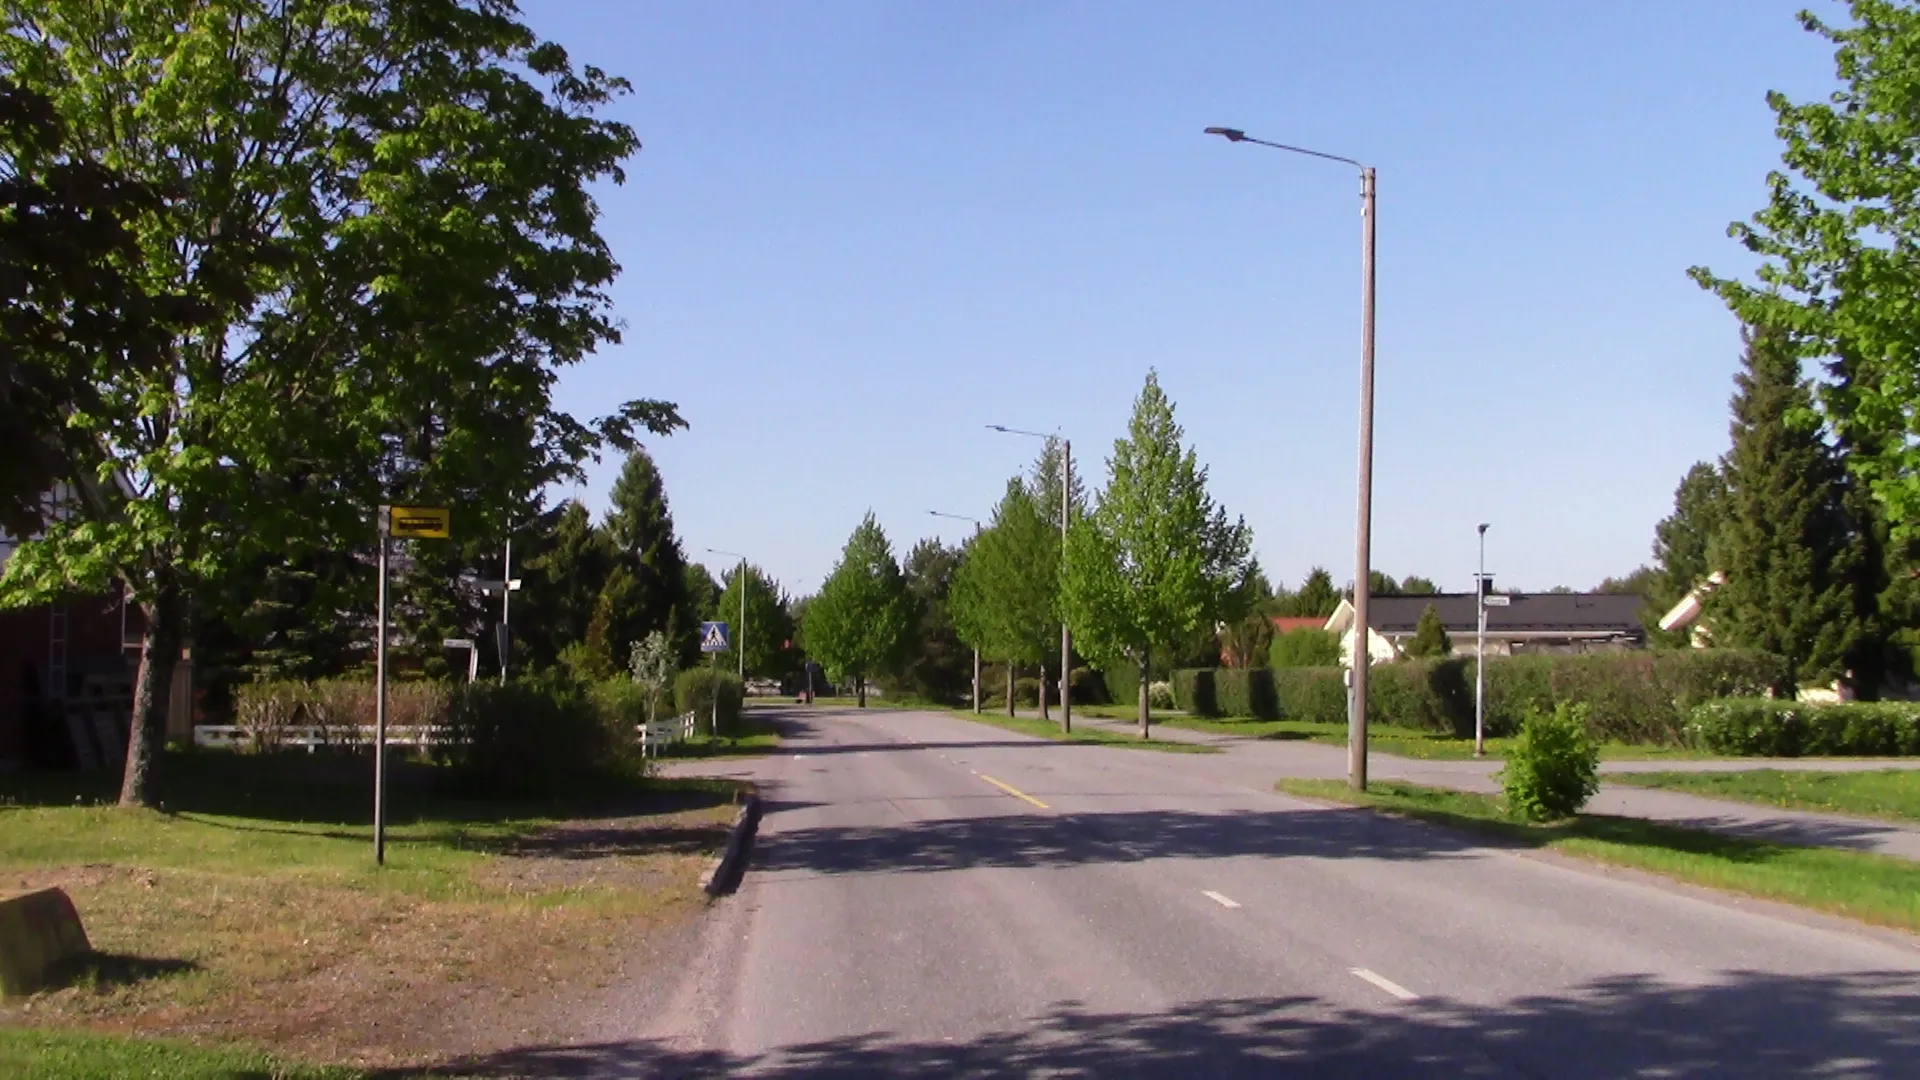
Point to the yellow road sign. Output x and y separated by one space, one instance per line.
419 522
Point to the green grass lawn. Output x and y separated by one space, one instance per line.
1405 742
1882 793
754 734
253 901
1873 888
1083 735
32 1054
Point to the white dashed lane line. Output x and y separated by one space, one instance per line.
1223 901
1386 984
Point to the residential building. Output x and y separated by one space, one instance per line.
1526 623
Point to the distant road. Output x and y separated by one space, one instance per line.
931 897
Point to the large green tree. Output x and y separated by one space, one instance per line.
768 634
1156 561
1837 277
939 666
639 530
1788 550
386 207
858 623
1316 596
1006 593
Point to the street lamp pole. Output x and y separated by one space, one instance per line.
976 649
506 595
1362 584
1066 632
740 636
1480 652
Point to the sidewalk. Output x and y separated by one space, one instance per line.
1748 820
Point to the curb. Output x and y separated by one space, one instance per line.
724 875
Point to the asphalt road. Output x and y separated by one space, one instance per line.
931 897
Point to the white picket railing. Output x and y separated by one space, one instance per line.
312 736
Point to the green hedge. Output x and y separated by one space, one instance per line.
1089 688
1193 692
1636 697
1304 648
694 690
1762 727
533 736
1317 694
1026 692
1123 683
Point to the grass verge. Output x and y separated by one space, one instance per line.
1893 794
1407 742
34 1054
1871 888
251 911
754 734
1081 736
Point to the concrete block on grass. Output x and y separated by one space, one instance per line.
37 931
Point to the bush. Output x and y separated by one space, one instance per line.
1305 649
1160 696
1314 694
1553 766
1026 691
1123 683
532 736
694 690
1089 688
1768 728
1193 691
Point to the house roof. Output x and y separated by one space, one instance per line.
1534 613
1287 624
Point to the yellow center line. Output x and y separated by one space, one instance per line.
1014 791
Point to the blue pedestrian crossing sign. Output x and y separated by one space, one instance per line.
713 637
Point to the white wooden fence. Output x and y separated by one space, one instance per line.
661 732
312 736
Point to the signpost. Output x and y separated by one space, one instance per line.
714 641
407 523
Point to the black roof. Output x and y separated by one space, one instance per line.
1537 612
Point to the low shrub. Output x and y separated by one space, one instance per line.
531 736
1193 691
1089 688
1762 727
694 691
1553 765
1160 696
1315 694
1026 692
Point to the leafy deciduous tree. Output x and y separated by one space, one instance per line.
389 217
1156 560
857 625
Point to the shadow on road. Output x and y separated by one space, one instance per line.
1743 1025
1804 832
1037 840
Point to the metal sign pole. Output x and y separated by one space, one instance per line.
380 709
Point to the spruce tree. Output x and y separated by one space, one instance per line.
1430 637
1785 543
639 528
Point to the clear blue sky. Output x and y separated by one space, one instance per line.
859 232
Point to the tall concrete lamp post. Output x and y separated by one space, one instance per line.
1357 722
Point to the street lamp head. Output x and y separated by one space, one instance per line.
1230 134
996 427
1483 528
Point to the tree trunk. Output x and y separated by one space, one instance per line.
1043 690
1010 667
152 685
860 690
1146 669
